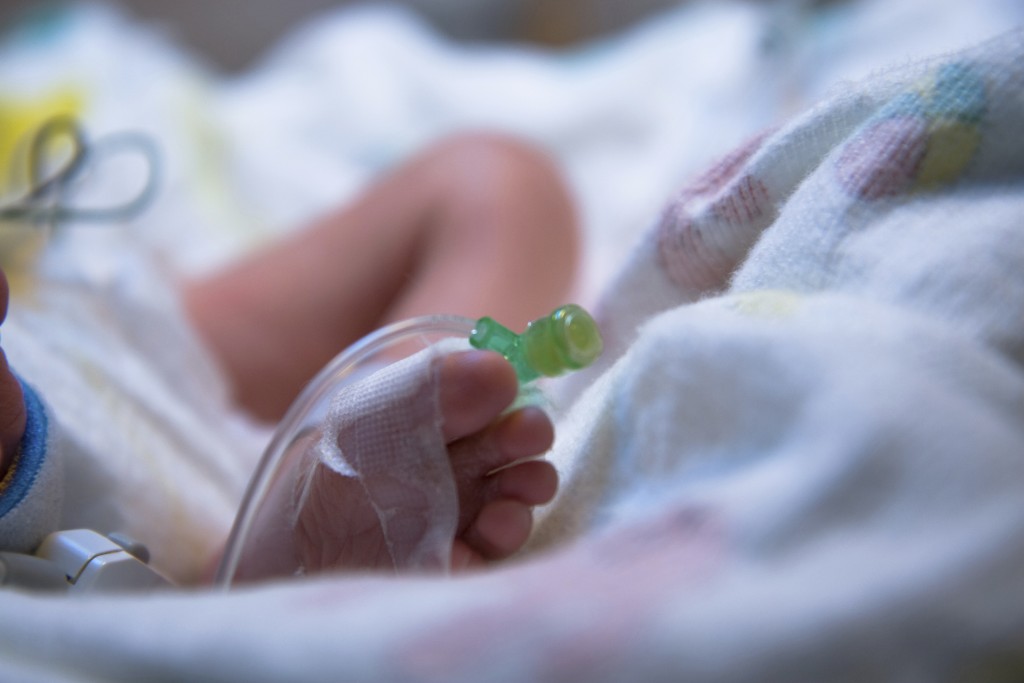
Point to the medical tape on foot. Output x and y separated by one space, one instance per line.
380 490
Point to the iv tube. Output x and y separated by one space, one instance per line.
566 340
344 366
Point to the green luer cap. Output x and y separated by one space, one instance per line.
566 340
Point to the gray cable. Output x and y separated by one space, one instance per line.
43 203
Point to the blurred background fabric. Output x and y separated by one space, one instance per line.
270 112
231 34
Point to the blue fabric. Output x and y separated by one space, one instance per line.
31 456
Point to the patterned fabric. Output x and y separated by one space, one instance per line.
802 459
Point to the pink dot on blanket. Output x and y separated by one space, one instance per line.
882 161
702 239
709 226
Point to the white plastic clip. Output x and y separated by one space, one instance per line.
93 562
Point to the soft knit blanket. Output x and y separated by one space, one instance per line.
801 459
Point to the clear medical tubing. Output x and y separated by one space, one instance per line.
415 334
564 341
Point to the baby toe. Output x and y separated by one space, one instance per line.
475 387
533 482
523 434
500 529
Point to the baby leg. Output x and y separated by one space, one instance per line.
475 225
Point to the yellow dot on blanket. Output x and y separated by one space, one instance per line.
951 146
774 304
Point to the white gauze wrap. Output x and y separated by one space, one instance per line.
363 481
383 447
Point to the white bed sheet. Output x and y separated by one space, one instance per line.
630 579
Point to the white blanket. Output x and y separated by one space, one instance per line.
800 460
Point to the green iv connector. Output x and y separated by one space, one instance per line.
566 340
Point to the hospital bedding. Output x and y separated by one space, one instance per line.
799 460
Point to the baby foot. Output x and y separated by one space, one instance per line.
447 478
12 402
388 515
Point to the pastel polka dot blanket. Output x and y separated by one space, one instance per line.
802 457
